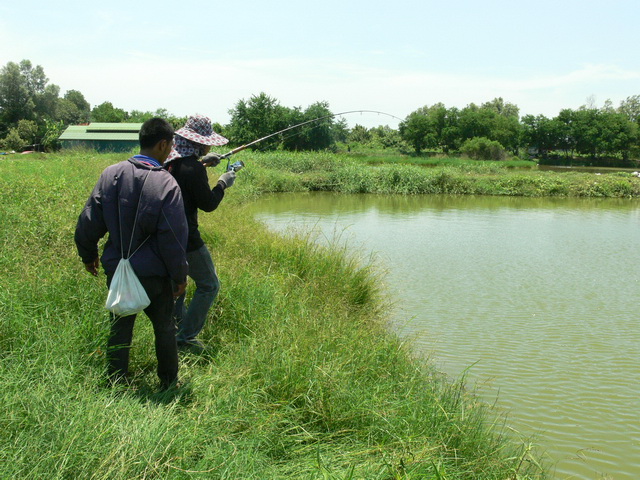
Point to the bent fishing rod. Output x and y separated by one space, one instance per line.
238 165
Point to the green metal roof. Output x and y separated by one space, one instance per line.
102 131
109 127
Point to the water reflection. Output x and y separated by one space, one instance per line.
535 297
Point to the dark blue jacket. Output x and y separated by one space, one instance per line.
160 216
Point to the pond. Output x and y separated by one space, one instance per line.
534 300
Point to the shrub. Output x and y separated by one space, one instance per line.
13 141
21 136
53 130
481 148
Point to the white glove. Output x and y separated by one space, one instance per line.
227 179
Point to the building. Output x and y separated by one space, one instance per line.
102 137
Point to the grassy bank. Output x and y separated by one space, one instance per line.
275 172
304 381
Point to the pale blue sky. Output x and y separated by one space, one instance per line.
202 57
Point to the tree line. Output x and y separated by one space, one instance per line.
589 131
33 113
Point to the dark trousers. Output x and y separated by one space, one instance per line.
160 312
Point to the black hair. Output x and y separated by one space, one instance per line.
154 130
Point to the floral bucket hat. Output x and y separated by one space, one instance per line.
198 129
191 139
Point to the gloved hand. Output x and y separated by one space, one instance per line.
211 159
227 179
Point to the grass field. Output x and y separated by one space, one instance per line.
303 380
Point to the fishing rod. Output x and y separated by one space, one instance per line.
238 165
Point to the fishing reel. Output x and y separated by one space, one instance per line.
234 167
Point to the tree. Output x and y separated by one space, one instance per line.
432 127
35 79
258 117
502 108
476 122
386 137
263 115
21 136
359 134
68 112
596 132
450 137
138 116
16 101
316 135
568 141
418 131
78 100
13 141
73 108
618 134
340 131
28 130
47 102
585 130
25 94
496 120
106 112
543 134
507 130
52 131
481 148
631 108
439 120
44 96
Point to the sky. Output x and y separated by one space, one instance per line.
393 57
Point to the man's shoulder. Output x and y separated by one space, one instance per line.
163 179
116 169
134 169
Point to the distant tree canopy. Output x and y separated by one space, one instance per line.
106 112
438 127
586 131
32 113
263 115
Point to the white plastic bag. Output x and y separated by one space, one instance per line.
126 294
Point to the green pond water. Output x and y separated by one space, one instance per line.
537 300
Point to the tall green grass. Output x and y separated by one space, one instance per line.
303 379
278 172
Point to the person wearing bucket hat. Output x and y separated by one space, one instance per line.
186 162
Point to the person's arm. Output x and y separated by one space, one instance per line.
90 228
206 198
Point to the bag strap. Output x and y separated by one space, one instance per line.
135 221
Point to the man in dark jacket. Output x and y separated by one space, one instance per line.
191 142
140 205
